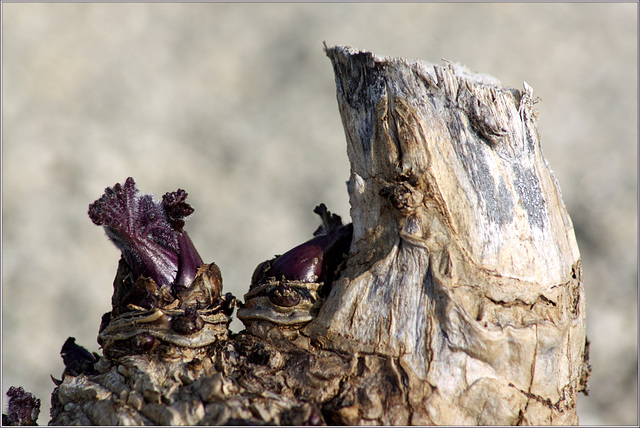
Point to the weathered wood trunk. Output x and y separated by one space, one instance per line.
464 263
460 302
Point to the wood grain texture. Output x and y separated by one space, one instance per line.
464 263
461 301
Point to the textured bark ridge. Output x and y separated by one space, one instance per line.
460 302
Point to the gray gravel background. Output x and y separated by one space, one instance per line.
236 104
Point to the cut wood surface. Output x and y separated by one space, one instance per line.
460 302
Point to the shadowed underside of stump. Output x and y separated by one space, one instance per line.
460 302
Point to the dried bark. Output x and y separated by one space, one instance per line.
461 300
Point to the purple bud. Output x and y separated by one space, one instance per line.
149 234
144 342
317 259
284 296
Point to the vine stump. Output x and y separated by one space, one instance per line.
460 301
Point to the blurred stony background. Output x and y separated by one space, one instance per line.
236 104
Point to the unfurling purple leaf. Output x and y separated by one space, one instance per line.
149 234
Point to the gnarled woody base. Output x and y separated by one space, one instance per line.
461 301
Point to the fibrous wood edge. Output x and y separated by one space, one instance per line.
461 301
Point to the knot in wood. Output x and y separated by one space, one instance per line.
402 196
